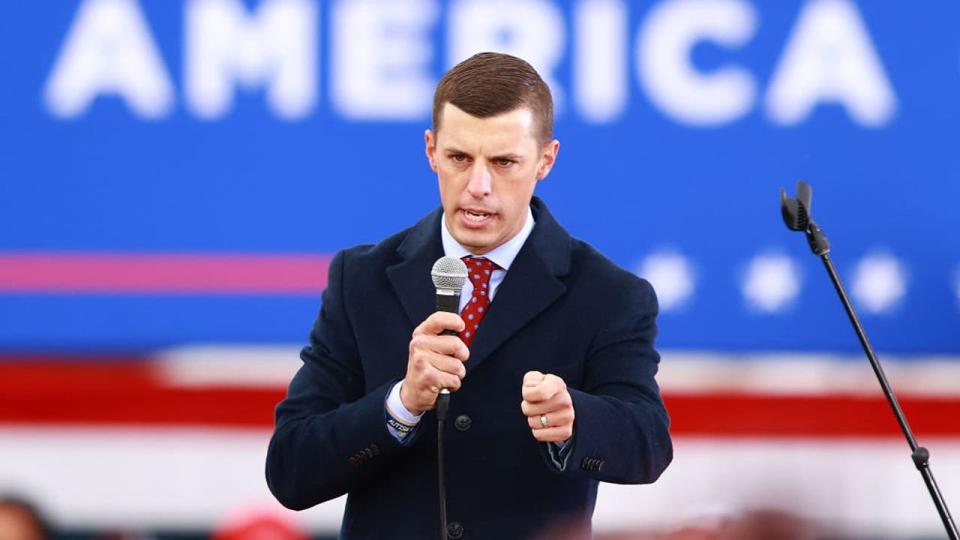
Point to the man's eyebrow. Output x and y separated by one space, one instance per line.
451 150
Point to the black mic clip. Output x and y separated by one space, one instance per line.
796 215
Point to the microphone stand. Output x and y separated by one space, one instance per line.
796 215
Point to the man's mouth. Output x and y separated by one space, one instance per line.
476 216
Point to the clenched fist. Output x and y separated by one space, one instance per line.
434 362
547 406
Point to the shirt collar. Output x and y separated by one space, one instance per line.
503 255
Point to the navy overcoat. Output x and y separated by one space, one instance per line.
563 308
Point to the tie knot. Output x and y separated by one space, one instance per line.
479 270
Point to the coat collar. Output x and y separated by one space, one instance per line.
530 286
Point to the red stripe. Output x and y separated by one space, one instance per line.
163 273
134 393
122 392
732 414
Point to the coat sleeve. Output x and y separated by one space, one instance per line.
621 430
330 434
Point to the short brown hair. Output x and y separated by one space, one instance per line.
488 84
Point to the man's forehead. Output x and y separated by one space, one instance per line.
503 132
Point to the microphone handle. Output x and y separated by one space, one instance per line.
448 300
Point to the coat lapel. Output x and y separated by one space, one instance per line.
531 285
410 277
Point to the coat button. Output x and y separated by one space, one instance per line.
455 530
463 422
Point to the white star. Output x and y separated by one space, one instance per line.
771 282
671 276
879 283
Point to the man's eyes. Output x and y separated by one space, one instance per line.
463 158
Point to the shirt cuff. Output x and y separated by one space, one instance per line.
403 421
559 452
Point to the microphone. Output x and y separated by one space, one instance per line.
449 275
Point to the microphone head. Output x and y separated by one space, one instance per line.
449 274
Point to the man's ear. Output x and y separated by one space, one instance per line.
430 148
548 158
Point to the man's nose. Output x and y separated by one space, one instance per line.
481 182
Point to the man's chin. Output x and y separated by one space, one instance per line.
476 242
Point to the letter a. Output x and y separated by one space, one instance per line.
109 50
830 58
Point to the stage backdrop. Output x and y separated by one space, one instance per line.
176 175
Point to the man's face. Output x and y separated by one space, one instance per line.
487 169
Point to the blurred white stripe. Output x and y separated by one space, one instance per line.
180 478
798 373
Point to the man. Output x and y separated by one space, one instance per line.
551 373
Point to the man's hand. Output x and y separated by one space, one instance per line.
434 362
546 400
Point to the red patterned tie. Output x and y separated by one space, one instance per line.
479 270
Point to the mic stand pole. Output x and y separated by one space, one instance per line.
920 455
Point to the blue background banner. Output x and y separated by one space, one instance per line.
296 127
